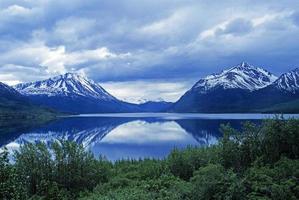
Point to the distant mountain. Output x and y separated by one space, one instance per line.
73 93
155 106
228 91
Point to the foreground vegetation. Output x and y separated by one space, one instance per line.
260 162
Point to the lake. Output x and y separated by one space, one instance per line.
130 135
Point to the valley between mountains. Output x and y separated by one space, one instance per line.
240 89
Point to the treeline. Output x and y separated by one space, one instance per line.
26 115
258 162
14 118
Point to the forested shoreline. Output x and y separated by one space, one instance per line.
258 162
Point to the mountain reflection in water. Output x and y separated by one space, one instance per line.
119 138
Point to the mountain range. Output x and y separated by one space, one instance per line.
73 93
77 94
242 88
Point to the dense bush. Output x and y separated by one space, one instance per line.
258 162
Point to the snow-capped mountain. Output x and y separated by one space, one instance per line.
73 93
243 76
69 84
288 82
243 88
281 96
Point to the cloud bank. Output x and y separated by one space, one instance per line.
131 40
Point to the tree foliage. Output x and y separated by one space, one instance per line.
257 162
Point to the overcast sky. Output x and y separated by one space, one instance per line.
145 49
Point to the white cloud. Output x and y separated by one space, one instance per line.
18 15
270 17
99 54
9 79
130 40
54 60
243 23
16 10
137 91
138 132
73 28
168 26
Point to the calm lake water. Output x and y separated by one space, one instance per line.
134 135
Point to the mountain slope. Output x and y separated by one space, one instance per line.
10 99
279 96
228 91
9 92
73 93
13 105
69 84
288 82
285 107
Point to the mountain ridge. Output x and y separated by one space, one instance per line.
268 91
65 85
241 88
288 81
242 76
74 93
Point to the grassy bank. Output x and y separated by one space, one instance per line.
260 162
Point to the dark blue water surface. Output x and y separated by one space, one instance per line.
120 136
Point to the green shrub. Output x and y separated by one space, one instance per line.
259 162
